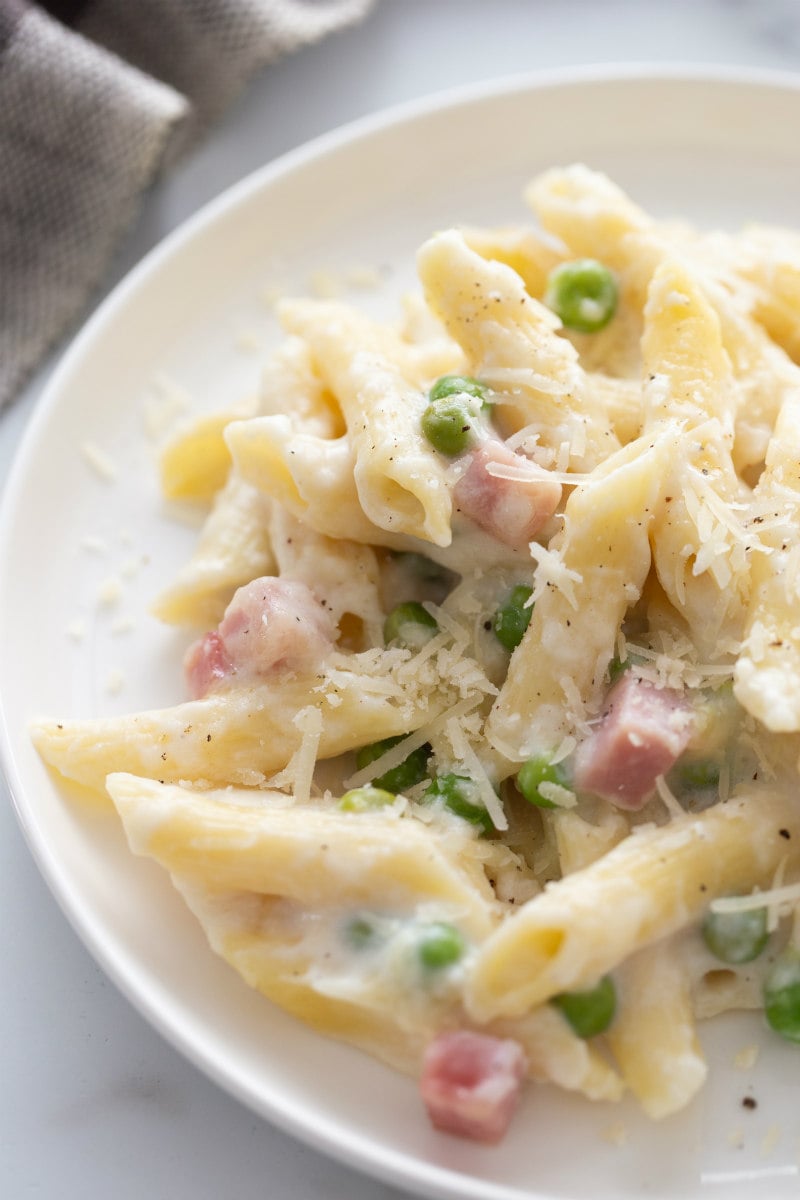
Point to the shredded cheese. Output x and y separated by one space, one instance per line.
109 592
309 721
552 570
671 802
101 463
746 1058
465 754
115 682
785 898
395 755
524 377
560 796
298 773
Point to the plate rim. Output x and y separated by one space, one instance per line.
398 1168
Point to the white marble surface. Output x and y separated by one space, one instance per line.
94 1102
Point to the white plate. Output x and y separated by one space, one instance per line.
715 147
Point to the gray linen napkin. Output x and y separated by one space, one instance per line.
96 97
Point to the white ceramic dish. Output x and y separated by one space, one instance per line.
716 147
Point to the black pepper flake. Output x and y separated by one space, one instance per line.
164 756
703 887
784 834
208 737
487 625
749 1102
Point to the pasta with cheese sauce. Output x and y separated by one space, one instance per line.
489 758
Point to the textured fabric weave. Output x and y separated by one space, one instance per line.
97 97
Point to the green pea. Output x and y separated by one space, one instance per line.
782 996
513 617
583 293
456 792
409 625
534 773
696 775
362 932
365 799
617 668
455 385
589 1012
736 937
397 779
439 945
449 425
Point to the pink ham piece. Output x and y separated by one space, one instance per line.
511 510
270 626
471 1083
643 731
206 664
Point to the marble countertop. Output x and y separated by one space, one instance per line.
94 1102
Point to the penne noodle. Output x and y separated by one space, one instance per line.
655 883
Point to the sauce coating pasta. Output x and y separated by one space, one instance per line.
490 765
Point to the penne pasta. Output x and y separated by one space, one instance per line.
655 883
491 757
653 1038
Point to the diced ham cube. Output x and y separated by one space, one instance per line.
471 1083
511 510
206 664
271 625
643 731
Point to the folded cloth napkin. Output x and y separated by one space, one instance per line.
97 97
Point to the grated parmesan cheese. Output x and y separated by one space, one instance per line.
578 448
162 408
563 750
115 682
399 753
528 473
298 773
248 341
363 277
779 902
465 754
553 571
671 802
770 1140
457 632
101 463
615 1134
563 456
506 378
560 796
309 721
324 285
746 1058
674 665
109 592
